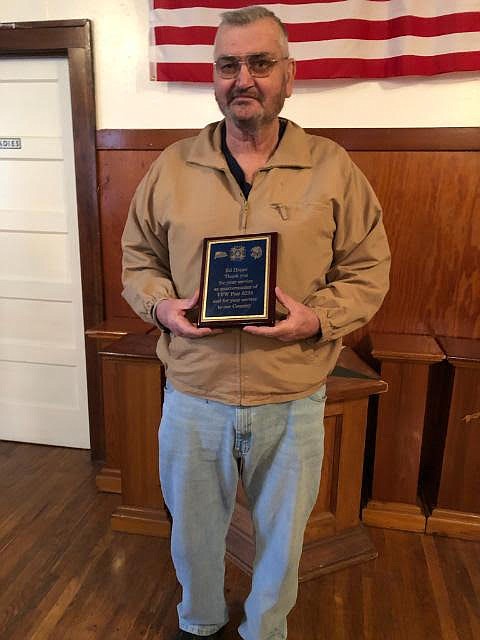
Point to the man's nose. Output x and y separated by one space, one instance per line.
244 78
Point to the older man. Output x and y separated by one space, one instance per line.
250 401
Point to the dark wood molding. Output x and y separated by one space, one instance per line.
137 139
39 38
408 139
44 24
405 139
72 39
83 114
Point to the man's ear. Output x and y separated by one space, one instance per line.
291 70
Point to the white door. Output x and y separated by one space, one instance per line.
43 390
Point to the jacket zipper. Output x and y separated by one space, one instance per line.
242 227
244 214
281 210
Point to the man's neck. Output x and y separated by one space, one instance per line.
260 143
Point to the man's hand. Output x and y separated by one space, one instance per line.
171 313
300 323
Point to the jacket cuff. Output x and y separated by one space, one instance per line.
325 332
155 320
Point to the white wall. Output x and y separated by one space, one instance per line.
127 99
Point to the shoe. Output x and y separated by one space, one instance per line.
186 635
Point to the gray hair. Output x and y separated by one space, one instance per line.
247 15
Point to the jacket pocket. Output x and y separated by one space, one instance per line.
313 215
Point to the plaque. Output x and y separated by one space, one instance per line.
238 281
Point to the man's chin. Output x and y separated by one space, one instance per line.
245 108
247 123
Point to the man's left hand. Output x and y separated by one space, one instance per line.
300 323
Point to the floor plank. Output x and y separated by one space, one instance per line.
65 575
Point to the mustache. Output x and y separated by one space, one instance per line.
244 93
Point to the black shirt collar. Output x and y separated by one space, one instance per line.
233 165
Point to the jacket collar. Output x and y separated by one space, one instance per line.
293 150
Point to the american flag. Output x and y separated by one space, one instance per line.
328 39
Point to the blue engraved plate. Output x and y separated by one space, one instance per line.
236 280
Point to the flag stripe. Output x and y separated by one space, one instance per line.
341 29
398 66
338 38
226 5
359 10
339 67
368 49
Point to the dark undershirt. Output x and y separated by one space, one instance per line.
233 165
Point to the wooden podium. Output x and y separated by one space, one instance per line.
451 477
335 538
407 362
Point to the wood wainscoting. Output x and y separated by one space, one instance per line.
427 182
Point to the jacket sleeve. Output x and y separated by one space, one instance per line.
146 273
358 278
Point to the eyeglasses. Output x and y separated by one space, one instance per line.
259 65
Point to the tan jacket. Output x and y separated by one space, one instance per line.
332 255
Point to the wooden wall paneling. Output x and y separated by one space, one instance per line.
430 200
405 364
427 182
456 508
141 139
353 139
119 175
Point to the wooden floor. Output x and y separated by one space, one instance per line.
64 575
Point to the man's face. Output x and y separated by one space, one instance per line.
250 102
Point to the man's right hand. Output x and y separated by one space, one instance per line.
171 314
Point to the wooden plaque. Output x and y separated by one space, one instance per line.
238 279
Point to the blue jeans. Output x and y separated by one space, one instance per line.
279 449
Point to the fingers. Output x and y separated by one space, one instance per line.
301 323
258 331
195 332
171 313
280 330
285 299
185 329
189 303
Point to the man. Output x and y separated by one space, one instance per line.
250 401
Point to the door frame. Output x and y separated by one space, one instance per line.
72 39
